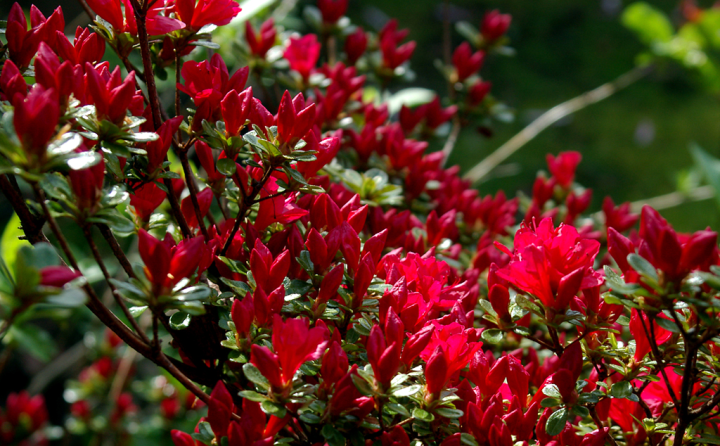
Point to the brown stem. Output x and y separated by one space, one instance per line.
684 416
87 9
245 205
452 139
190 180
116 249
184 380
31 225
658 358
140 18
96 306
218 199
118 298
558 349
177 82
176 211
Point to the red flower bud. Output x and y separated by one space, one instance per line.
355 45
494 25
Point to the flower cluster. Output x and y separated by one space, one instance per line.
312 263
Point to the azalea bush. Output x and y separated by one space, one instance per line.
277 240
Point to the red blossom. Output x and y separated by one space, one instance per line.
206 12
466 62
332 10
393 53
302 53
494 25
355 45
261 42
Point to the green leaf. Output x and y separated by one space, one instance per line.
407 391
468 440
273 408
556 422
552 391
643 267
468 31
71 298
305 262
361 384
205 434
449 413
398 409
65 144
709 166
410 97
192 293
550 402
253 375
493 335
83 160
180 320
10 242
667 324
650 24
33 340
137 311
332 435
114 220
310 418
253 396
142 137
423 415
226 166
622 389
707 439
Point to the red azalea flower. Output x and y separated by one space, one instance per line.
355 45
109 92
552 264
112 12
302 53
261 42
206 12
167 263
86 47
393 53
332 10
466 62
35 119
563 167
22 44
294 343
494 25
12 82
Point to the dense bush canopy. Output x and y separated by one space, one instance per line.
303 270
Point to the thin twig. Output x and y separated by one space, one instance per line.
116 249
115 293
31 225
244 206
192 187
176 211
551 116
87 9
140 17
452 139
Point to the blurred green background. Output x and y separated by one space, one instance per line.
634 144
